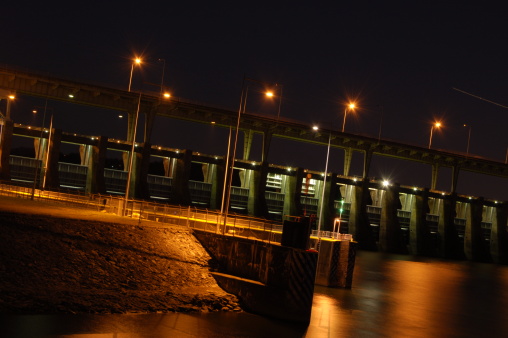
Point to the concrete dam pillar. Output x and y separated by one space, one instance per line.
5 150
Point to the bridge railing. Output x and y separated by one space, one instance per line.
187 216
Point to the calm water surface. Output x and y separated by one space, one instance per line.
392 296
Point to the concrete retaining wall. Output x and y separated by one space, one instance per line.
269 279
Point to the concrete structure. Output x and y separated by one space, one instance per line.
389 218
269 279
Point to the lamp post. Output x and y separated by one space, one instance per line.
48 145
437 125
324 185
163 70
39 151
350 106
230 161
131 158
270 94
468 139
137 61
380 124
230 156
7 116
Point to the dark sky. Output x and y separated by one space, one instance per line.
398 61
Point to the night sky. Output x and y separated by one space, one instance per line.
398 62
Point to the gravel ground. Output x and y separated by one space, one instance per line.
64 260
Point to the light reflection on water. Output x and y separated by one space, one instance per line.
392 296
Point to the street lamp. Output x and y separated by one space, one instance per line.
468 139
162 79
271 94
437 125
131 158
230 158
350 106
324 184
37 155
137 61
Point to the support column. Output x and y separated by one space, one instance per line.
448 237
329 212
367 158
95 182
168 164
435 172
141 173
390 236
359 225
52 177
41 150
455 178
247 143
180 193
217 180
499 235
348 156
267 139
293 194
257 186
5 150
473 237
417 225
149 121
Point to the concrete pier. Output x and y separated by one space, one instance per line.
271 280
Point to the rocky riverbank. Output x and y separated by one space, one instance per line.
63 260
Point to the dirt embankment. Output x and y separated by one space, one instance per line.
52 264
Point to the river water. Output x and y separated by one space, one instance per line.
392 296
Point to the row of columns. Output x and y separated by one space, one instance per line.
474 247
448 245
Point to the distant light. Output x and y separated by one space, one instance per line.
213 122
71 96
34 111
352 106
137 61
315 128
46 131
386 183
93 138
288 169
415 188
135 145
442 193
269 93
29 127
216 157
118 141
167 95
120 116
12 97
253 163
354 179
160 148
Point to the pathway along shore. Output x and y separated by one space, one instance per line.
56 259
